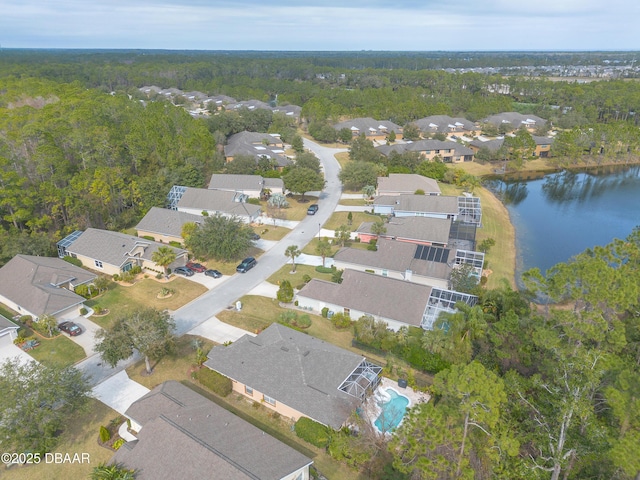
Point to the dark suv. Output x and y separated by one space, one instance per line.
312 209
246 265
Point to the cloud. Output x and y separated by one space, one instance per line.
330 25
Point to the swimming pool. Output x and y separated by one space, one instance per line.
392 411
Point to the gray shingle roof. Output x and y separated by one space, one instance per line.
216 201
426 229
34 283
368 126
456 148
234 182
253 144
407 183
514 118
395 256
185 435
166 222
295 369
376 295
440 204
444 124
113 248
492 145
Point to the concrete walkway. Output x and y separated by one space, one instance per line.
119 392
353 208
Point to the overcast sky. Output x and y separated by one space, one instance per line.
322 25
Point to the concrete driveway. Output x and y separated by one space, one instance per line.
119 392
208 282
218 331
9 351
87 338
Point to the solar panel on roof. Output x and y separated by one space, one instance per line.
431 254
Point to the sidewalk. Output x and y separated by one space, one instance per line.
119 391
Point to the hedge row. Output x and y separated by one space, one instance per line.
214 381
313 432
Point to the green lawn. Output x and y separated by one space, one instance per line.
296 210
175 366
340 218
80 436
270 232
59 350
144 293
357 202
296 278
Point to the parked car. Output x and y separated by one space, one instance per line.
196 267
212 273
246 265
312 209
254 236
187 272
70 328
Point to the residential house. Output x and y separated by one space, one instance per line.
293 111
542 149
249 105
254 186
423 264
372 129
37 286
296 375
432 150
515 120
257 145
8 331
399 303
181 434
398 183
450 126
218 102
420 230
198 200
464 208
114 252
164 225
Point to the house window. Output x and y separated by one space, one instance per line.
437 151
98 263
269 400
248 390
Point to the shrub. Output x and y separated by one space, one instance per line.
285 292
253 201
83 311
116 277
136 270
118 443
149 237
27 320
73 261
325 312
306 278
105 436
173 243
313 432
82 290
419 192
292 319
127 276
340 320
214 381
321 269
98 309
159 276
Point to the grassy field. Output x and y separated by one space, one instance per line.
80 436
342 158
59 351
144 293
357 202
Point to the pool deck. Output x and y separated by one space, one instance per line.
371 408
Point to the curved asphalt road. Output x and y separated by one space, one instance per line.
210 303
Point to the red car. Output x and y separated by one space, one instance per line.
70 328
196 267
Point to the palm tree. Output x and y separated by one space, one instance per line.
164 256
323 248
292 252
112 472
49 322
378 228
